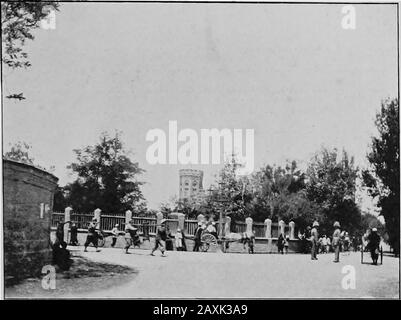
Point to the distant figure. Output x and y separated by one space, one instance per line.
92 236
197 237
114 235
286 244
314 240
145 228
130 236
169 240
336 241
373 244
60 235
211 228
74 235
328 244
178 240
280 244
324 244
161 237
306 240
346 242
184 244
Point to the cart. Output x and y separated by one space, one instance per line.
365 255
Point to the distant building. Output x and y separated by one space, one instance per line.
191 184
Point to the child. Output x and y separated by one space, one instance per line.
178 240
114 236
286 244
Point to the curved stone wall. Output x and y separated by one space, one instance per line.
28 201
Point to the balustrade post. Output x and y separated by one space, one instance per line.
67 217
98 214
292 230
268 235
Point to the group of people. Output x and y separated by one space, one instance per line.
209 227
283 243
340 241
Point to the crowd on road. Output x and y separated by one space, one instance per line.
340 241
312 242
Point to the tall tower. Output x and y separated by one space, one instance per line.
190 183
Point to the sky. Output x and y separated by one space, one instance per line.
290 72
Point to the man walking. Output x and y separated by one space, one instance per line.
336 241
374 243
92 235
197 237
314 239
130 235
161 237
74 235
114 235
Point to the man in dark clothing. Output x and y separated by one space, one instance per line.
92 235
197 237
145 228
74 235
280 244
374 243
60 235
161 237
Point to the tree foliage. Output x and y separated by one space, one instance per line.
332 185
20 152
18 20
107 178
383 179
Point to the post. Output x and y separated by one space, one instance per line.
268 235
292 230
98 213
281 229
42 210
227 226
67 217
159 217
181 220
221 224
249 223
128 216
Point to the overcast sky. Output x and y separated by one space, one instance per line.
290 72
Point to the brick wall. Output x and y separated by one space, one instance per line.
28 201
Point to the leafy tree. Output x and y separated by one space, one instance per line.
383 180
274 188
20 152
107 178
232 194
60 200
18 20
331 185
369 221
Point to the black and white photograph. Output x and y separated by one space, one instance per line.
187 150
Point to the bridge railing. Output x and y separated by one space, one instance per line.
148 225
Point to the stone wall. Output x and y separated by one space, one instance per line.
28 201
